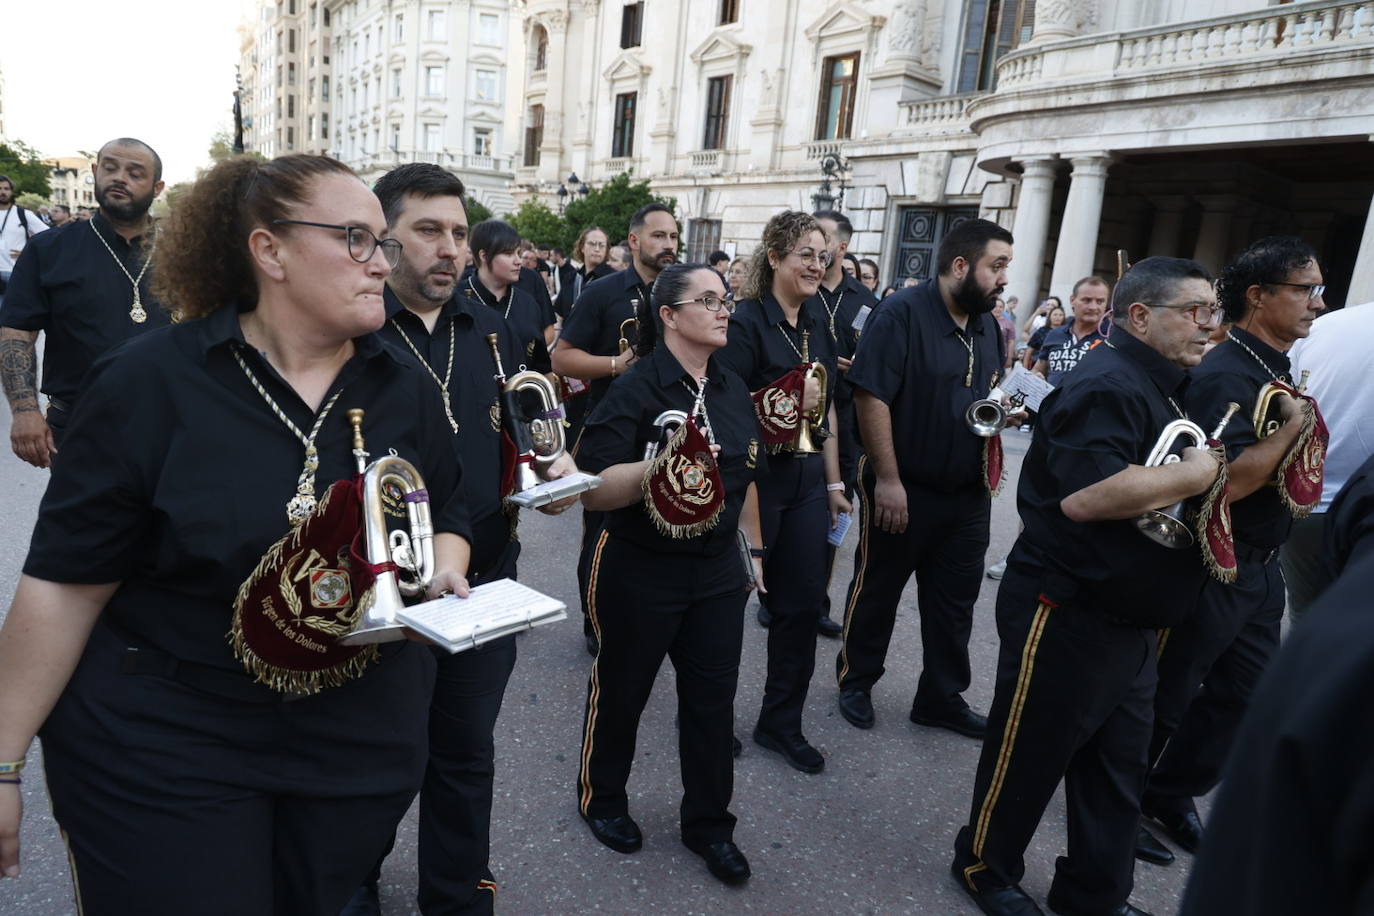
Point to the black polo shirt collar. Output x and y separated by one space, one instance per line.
1276 361
107 231
946 320
1167 377
487 296
772 311
222 326
456 305
668 371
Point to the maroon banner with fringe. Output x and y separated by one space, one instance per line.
779 407
683 491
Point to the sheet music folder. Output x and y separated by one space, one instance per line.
492 610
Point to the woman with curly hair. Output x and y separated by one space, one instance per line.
779 325
199 463
588 263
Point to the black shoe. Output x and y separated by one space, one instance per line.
593 644
1124 910
620 833
1183 829
1008 900
857 707
364 902
724 860
829 628
963 720
735 747
765 616
799 754
1149 849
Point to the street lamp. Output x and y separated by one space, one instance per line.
832 167
562 197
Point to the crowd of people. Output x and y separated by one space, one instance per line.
214 386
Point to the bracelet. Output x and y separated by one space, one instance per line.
835 487
7 769
10 782
613 359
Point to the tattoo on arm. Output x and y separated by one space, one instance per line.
19 369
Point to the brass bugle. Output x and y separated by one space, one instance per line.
1167 526
1267 417
805 442
411 551
628 326
540 439
667 424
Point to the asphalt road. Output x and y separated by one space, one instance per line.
872 834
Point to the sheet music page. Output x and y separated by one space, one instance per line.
503 605
1027 384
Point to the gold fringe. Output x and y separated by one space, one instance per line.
674 531
1002 480
1215 493
1300 445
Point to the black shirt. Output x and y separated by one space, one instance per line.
842 306
533 284
1107 415
762 346
915 359
473 392
573 280
623 423
594 325
525 316
69 287
1228 373
1350 522
1061 351
175 474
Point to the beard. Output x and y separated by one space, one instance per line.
127 211
658 262
972 298
413 281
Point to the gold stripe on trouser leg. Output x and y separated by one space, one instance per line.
861 559
485 885
594 691
1163 640
67 845
1018 704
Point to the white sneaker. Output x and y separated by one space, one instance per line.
996 570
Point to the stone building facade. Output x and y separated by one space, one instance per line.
1085 126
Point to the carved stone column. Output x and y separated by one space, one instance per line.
1073 258
1030 230
1056 20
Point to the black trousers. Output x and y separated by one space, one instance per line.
647 606
592 524
456 795
944 545
1073 702
175 800
794 516
1208 669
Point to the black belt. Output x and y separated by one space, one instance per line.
207 678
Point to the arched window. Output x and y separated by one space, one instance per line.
541 48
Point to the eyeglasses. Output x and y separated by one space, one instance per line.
713 303
822 257
593 244
1314 290
362 244
1202 313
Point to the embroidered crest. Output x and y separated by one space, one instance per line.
751 459
495 413
683 492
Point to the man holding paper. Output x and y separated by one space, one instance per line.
446 334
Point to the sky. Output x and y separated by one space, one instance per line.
80 72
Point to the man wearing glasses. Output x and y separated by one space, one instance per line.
1084 597
1272 293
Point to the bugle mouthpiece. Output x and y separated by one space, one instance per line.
1230 412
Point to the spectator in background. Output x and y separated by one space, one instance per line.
1054 319
619 258
719 261
868 274
588 263
1008 328
851 266
887 291
1066 345
61 215
910 281
45 214
1036 321
739 268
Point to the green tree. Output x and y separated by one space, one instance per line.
222 147
477 211
31 201
25 168
611 207
536 222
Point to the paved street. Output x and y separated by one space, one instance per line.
872 834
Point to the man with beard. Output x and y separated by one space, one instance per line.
87 287
590 347
925 480
17 226
446 334
1083 600
1066 344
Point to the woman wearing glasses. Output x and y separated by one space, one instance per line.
668 578
778 326
196 448
588 263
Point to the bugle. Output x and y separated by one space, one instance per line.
1168 526
539 438
667 424
1268 415
410 553
806 441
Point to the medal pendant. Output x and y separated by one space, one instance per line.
137 314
